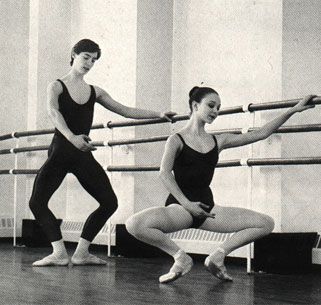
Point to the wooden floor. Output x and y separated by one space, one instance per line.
135 281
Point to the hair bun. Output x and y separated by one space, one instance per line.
193 91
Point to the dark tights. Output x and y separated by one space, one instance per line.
65 158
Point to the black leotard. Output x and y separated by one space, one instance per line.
193 173
65 158
78 117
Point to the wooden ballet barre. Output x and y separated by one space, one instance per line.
18 171
281 104
229 163
137 140
5 151
41 147
283 129
23 149
284 161
127 123
21 134
299 128
131 168
221 164
230 110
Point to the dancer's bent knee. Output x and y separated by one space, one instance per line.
269 224
108 207
135 226
38 207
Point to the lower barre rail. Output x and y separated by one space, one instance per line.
221 164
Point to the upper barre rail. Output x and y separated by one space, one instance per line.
251 107
21 134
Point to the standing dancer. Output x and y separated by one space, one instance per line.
71 106
192 155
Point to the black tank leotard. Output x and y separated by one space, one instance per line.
78 117
193 173
63 158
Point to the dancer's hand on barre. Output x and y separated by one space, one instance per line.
82 142
304 104
196 209
168 115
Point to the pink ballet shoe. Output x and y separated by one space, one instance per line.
218 271
51 260
179 269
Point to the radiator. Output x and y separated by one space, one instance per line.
6 226
71 231
191 240
198 241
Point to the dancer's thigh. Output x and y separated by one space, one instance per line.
167 219
233 219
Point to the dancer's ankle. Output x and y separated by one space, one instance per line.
59 249
218 255
179 254
82 249
183 264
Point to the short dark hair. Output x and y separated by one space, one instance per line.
85 45
198 93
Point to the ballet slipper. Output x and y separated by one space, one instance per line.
51 260
218 270
87 260
178 270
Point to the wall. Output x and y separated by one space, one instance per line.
154 78
235 47
250 51
14 21
301 75
49 40
115 71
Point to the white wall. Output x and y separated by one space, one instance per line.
54 28
14 21
48 60
154 78
115 71
250 51
235 47
301 75
256 52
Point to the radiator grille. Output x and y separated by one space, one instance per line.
201 235
6 223
77 226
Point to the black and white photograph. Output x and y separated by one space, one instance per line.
158 152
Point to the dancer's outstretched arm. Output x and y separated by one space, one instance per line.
232 140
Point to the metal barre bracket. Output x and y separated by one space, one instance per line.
245 107
243 162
